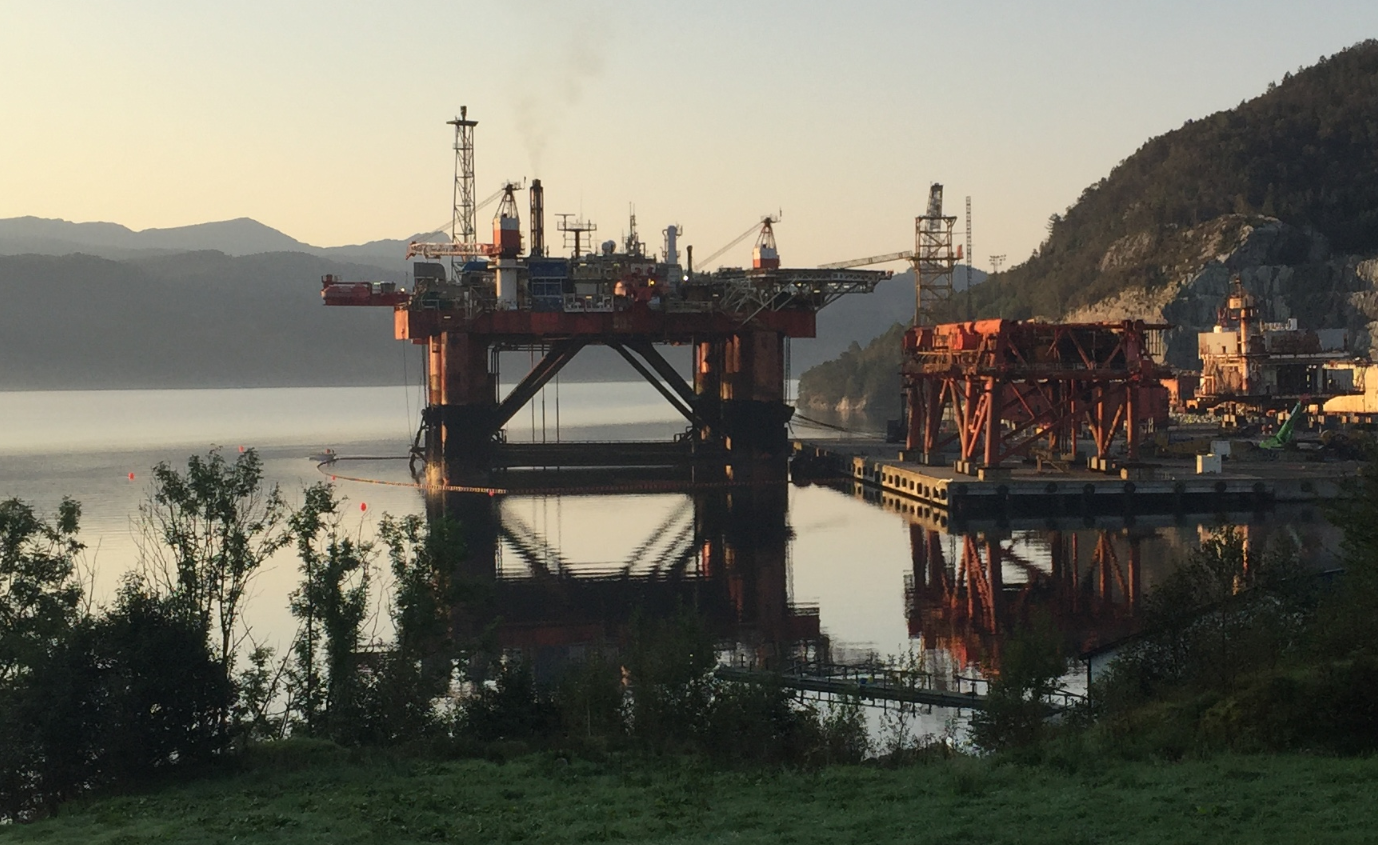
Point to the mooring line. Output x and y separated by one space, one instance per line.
610 489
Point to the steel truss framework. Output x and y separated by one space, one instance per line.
746 293
996 388
934 260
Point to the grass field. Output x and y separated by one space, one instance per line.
329 795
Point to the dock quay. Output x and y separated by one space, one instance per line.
1168 486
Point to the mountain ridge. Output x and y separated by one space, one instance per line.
238 236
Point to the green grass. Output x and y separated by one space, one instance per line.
341 797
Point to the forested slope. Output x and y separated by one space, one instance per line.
1281 191
1305 152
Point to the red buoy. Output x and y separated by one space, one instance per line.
131 476
363 506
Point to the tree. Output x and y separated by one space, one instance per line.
407 680
670 662
39 596
205 535
1031 666
40 603
331 605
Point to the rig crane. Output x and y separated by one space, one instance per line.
866 262
763 227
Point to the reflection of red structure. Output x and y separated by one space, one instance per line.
1006 384
730 567
963 606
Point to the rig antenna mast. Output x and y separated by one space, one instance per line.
576 227
934 260
463 226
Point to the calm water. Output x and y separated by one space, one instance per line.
861 575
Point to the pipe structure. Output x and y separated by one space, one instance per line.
537 219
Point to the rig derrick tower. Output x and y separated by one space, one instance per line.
463 225
934 260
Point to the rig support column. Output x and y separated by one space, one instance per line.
754 412
462 406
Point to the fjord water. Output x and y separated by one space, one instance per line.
878 580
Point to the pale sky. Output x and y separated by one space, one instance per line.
327 119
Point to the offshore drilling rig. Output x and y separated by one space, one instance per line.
473 300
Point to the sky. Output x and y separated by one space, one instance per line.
326 120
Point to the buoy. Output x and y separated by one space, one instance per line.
363 506
332 478
131 476
241 449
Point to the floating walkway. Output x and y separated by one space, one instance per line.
879 685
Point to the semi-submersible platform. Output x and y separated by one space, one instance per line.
471 301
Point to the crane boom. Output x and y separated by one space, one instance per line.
755 227
863 262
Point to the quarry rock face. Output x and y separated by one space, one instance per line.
1291 271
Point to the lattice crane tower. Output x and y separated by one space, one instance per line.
934 260
463 226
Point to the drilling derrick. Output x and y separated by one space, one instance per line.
463 226
934 260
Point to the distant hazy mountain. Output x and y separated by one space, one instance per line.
202 319
242 236
206 319
237 303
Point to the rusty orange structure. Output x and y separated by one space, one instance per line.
471 301
996 388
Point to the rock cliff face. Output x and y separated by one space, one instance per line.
1292 273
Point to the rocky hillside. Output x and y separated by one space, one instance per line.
1304 153
1292 271
1281 190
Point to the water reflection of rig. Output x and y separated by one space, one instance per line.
721 554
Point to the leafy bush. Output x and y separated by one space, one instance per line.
759 723
120 697
511 707
1017 705
670 662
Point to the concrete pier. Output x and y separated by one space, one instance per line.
1169 486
